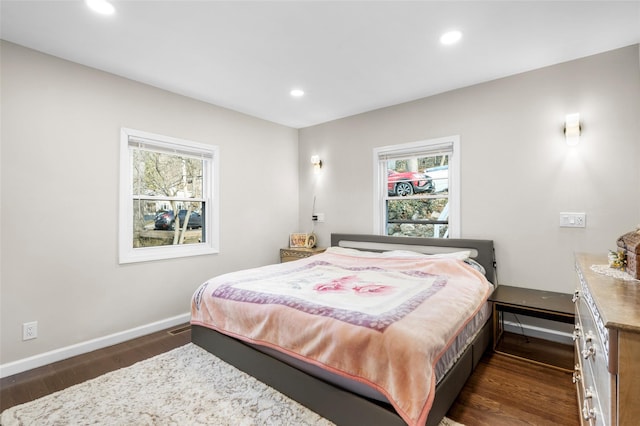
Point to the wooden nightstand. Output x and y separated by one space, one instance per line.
534 303
291 253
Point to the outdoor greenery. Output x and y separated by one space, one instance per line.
415 210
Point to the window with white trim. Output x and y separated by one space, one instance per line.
416 189
168 197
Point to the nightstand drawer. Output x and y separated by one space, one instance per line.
289 254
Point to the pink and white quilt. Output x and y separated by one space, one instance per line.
380 319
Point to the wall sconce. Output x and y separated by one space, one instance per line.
317 163
572 129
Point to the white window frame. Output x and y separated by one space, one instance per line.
409 149
129 254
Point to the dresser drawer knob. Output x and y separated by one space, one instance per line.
576 332
589 336
588 413
576 374
590 352
588 393
576 377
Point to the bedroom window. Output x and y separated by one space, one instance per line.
417 189
168 197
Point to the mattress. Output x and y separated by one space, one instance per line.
448 359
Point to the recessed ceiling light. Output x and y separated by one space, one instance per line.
102 7
296 93
451 37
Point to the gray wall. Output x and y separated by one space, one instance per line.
59 180
517 172
60 145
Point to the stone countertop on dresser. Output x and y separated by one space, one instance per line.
618 301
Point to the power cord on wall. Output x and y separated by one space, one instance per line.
526 338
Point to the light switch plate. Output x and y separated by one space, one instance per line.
573 220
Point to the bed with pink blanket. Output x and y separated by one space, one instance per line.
386 327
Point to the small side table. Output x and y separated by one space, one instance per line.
291 253
534 303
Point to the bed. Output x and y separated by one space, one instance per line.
343 389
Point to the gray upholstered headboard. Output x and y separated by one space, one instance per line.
481 250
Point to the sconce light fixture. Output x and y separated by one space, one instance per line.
572 129
102 7
317 163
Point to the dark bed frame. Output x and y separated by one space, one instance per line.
334 403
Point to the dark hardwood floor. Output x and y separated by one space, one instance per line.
502 390
510 392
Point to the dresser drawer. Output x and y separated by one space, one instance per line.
588 399
591 354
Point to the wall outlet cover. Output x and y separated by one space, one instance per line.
29 330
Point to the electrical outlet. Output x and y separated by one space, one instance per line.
29 330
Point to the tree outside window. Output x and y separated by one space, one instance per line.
164 184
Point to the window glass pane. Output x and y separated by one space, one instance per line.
161 174
417 189
155 224
171 180
418 175
418 217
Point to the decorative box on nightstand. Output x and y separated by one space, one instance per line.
289 254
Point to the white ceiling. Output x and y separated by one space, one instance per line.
348 56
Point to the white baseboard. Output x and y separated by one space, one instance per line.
39 360
539 332
55 355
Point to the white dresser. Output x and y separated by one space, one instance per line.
607 339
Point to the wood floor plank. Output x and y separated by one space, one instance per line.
507 391
544 351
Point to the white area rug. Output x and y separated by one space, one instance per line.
186 386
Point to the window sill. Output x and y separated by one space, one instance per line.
165 252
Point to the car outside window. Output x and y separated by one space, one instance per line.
416 192
168 197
